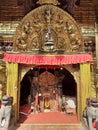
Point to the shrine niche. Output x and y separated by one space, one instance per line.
48 29
48 83
48 88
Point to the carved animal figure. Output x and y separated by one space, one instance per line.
6 111
91 113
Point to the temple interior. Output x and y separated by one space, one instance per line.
48 88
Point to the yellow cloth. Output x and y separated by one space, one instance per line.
12 76
85 79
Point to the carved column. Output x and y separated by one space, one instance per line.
96 41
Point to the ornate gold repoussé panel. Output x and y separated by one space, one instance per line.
48 28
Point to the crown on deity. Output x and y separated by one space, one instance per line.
54 2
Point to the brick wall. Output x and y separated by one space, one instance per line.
8 2
9 13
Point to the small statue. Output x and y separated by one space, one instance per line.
91 113
27 28
63 106
6 111
21 43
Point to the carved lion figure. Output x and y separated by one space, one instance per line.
6 111
91 113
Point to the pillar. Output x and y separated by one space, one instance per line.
96 43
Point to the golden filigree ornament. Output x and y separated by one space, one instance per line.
48 29
54 2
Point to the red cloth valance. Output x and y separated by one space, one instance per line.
47 59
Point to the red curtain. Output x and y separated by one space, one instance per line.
48 59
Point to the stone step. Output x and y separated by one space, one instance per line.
49 127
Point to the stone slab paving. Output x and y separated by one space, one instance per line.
49 127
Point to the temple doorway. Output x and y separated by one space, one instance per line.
48 88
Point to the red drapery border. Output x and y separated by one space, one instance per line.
47 59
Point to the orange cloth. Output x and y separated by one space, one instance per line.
48 59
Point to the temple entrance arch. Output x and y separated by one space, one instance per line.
78 74
51 83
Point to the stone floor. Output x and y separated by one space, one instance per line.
48 123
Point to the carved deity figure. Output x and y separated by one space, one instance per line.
48 15
27 28
21 42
